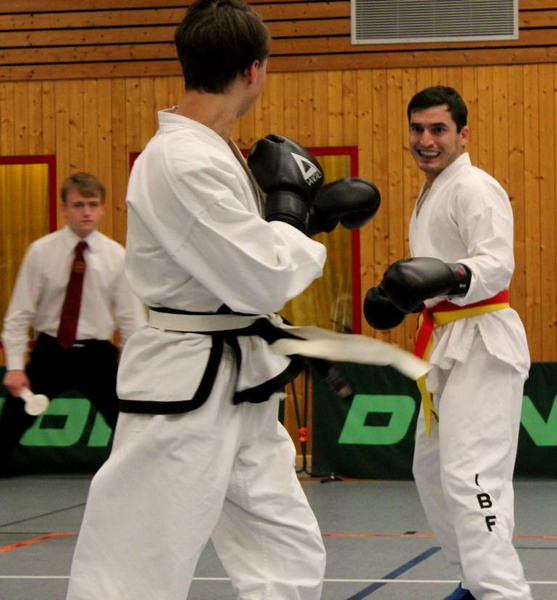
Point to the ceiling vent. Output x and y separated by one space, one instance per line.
403 21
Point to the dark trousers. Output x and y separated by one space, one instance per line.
89 368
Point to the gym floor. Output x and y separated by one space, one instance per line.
378 542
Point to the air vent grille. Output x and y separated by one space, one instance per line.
401 21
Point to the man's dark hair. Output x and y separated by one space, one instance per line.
441 96
217 40
85 183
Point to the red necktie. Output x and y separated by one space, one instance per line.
67 329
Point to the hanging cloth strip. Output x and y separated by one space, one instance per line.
290 340
441 314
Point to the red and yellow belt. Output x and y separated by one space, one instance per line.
441 314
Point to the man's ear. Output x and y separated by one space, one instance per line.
252 70
465 135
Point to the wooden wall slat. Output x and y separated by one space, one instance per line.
35 42
76 124
350 108
291 92
31 6
365 156
484 127
35 111
516 129
72 19
103 127
261 116
90 147
379 158
321 110
547 232
87 54
342 44
537 4
411 183
21 120
34 21
532 206
62 124
276 103
538 18
500 129
120 149
49 118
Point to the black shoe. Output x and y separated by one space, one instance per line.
460 594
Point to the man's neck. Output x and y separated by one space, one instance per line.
216 111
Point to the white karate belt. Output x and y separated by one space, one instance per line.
315 342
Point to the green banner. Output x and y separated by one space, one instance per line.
70 437
373 435
370 437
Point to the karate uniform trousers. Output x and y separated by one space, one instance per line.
465 482
247 498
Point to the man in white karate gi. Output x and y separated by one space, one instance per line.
199 452
461 241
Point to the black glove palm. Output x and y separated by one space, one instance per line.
289 175
350 201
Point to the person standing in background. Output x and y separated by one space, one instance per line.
71 290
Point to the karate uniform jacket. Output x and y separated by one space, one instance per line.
197 241
466 217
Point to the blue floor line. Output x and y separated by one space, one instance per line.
367 591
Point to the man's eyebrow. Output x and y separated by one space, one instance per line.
419 123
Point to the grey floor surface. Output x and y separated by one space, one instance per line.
378 542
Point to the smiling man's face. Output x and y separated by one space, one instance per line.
434 140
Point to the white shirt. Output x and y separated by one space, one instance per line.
40 289
196 241
466 217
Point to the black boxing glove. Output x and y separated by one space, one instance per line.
289 175
408 282
379 311
350 201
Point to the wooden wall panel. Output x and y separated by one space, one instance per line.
94 124
83 81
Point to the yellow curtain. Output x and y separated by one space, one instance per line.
328 302
24 217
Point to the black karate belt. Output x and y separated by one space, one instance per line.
261 327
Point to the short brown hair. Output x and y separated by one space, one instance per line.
441 95
218 40
85 183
